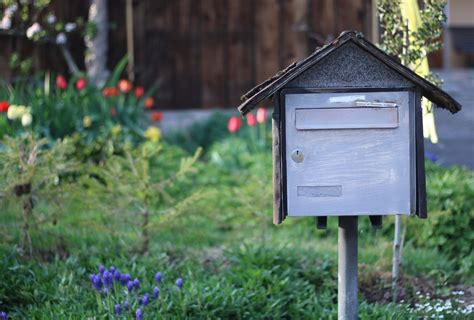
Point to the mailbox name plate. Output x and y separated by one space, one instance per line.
357 159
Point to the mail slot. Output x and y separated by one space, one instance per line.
347 118
354 153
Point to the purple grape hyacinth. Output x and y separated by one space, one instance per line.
112 269
145 300
108 278
96 281
118 309
106 292
136 283
3 315
125 305
125 278
179 283
130 286
158 277
101 269
117 275
156 292
139 314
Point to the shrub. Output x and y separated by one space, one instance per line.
34 172
451 215
139 184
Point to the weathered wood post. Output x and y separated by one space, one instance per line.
347 304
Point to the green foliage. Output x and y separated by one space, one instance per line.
451 216
202 134
33 173
410 47
90 111
139 184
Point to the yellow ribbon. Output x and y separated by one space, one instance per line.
411 13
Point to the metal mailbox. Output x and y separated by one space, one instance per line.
347 132
346 141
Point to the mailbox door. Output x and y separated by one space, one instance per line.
348 153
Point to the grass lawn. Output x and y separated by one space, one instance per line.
234 263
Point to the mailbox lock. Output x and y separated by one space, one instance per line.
297 155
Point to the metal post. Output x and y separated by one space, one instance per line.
347 269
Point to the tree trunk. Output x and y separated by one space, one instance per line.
97 45
26 245
145 234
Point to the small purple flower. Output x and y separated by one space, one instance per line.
158 277
124 278
130 286
139 314
117 275
431 156
118 309
179 283
101 269
97 282
145 300
156 292
3 315
136 283
112 269
106 292
108 278
92 278
125 305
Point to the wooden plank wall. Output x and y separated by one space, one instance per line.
206 53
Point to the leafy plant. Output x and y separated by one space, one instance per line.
411 46
32 172
451 215
60 108
136 186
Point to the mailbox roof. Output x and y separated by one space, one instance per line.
267 88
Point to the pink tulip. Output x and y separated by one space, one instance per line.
234 124
261 115
251 121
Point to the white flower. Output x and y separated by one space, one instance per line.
15 112
26 119
61 38
51 19
70 26
11 9
6 23
34 29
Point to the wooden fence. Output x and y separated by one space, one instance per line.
206 53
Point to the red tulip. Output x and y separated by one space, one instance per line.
110 92
139 92
156 116
261 115
234 124
251 121
81 84
124 85
149 103
61 82
4 105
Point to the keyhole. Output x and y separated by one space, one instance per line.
297 155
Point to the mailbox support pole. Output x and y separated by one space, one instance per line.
347 269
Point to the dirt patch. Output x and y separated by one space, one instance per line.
377 287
